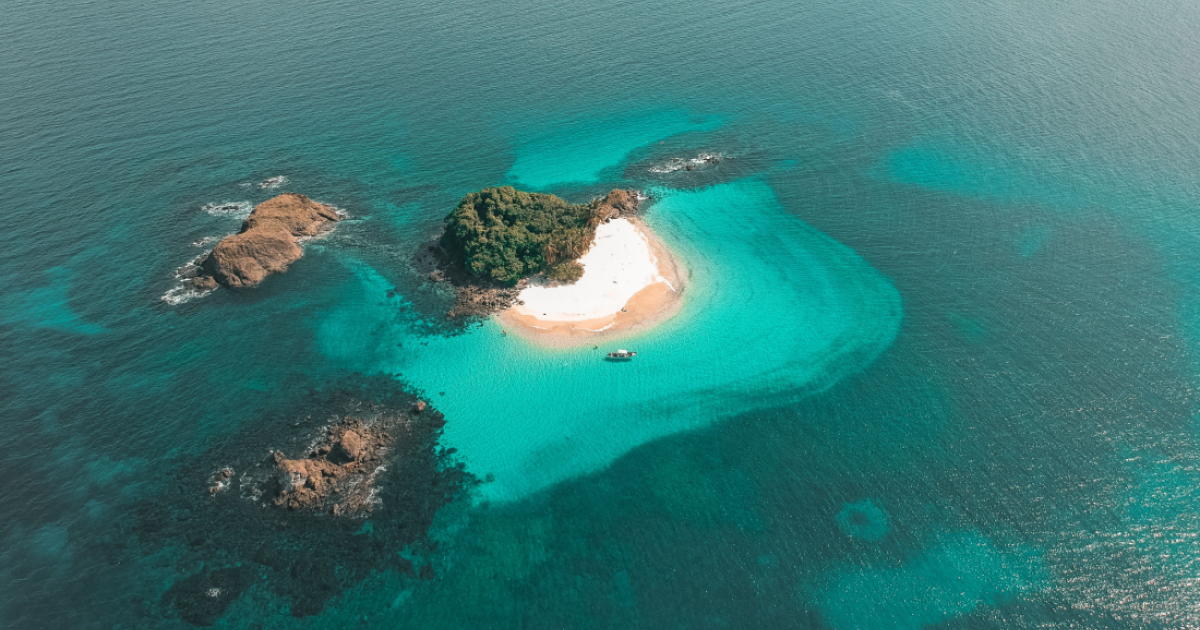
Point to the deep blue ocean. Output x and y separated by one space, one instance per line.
935 364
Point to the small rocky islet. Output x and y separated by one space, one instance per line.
267 243
541 233
339 474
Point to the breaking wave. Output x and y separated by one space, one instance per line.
703 160
239 209
272 183
184 291
206 241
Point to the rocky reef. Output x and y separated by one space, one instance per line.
339 474
473 298
245 521
267 243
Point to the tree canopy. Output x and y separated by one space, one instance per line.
503 234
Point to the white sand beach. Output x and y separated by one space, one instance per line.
628 278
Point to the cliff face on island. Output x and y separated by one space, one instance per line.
267 242
619 203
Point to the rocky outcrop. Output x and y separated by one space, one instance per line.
481 300
473 297
338 474
619 203
267 243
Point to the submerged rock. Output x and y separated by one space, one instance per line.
219 480
267 242
701 161
202 598
863 520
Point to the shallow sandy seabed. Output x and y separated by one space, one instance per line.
656 301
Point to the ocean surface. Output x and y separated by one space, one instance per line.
935 364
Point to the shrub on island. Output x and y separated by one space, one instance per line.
503 234
566 271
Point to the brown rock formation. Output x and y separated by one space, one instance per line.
619 203
204 283
481 300
267 242
338 474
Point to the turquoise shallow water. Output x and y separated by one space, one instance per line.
934 366
772 310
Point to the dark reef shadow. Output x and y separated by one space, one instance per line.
236 538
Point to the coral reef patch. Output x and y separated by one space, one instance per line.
380 478
863 520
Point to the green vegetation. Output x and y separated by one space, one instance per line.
566 271
503 234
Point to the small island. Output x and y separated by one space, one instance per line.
267 243
557 271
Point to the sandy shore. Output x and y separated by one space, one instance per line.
630 281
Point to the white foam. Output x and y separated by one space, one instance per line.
182 294
183 291
206 241
239 209
272 183
679 164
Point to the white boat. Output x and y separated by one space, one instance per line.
621 355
